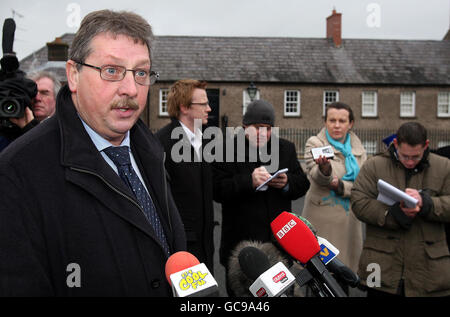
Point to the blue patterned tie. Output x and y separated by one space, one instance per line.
121 157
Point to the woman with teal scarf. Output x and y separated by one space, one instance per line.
327 203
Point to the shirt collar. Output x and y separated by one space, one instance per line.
191 135
100 142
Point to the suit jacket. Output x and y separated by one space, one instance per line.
191 185
63 207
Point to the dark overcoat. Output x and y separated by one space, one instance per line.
69 226
191 184
246 213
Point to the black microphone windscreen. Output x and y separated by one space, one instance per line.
9 28
237 280
253 262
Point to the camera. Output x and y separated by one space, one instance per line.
12 107
16 91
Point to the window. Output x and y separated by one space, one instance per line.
408 104
443 106
369 104
246 100
370 147
292 103
329 96
443 143
163 93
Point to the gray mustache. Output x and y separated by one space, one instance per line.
125 103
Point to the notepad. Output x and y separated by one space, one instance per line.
263 186
389 195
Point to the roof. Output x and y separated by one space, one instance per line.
38 60
296 60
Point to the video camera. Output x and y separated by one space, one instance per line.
16 91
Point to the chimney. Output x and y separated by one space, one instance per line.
58 50
334 27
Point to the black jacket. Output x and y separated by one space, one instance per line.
191 185
10 132
62 204
247 214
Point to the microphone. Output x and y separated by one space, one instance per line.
9 61
269 281
328 255
343 273
188 277
290 231
238 282
9 28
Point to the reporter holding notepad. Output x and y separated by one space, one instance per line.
327 203
408 243
246 212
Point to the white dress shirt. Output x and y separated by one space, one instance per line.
101 144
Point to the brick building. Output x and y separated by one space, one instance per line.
386 82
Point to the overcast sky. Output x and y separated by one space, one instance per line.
39 22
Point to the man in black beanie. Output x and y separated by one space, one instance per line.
246 211
259 112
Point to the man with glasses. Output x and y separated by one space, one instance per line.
190 175
408 245
85 208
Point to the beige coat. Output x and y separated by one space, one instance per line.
418 255
331 215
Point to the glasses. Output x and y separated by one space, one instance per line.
117 73
414 158
203 104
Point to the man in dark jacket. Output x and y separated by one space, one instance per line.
246 212
69 223
190 178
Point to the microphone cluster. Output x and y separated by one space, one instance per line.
259 269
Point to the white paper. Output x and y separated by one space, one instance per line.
263 186
326 151
389 195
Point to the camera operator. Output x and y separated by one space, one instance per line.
16 92
17 88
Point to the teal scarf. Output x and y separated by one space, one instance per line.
351 166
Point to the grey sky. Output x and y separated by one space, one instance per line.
44 20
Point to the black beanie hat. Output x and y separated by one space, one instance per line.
259 112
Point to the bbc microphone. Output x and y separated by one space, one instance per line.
299 242
269 281
188 277
328 254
